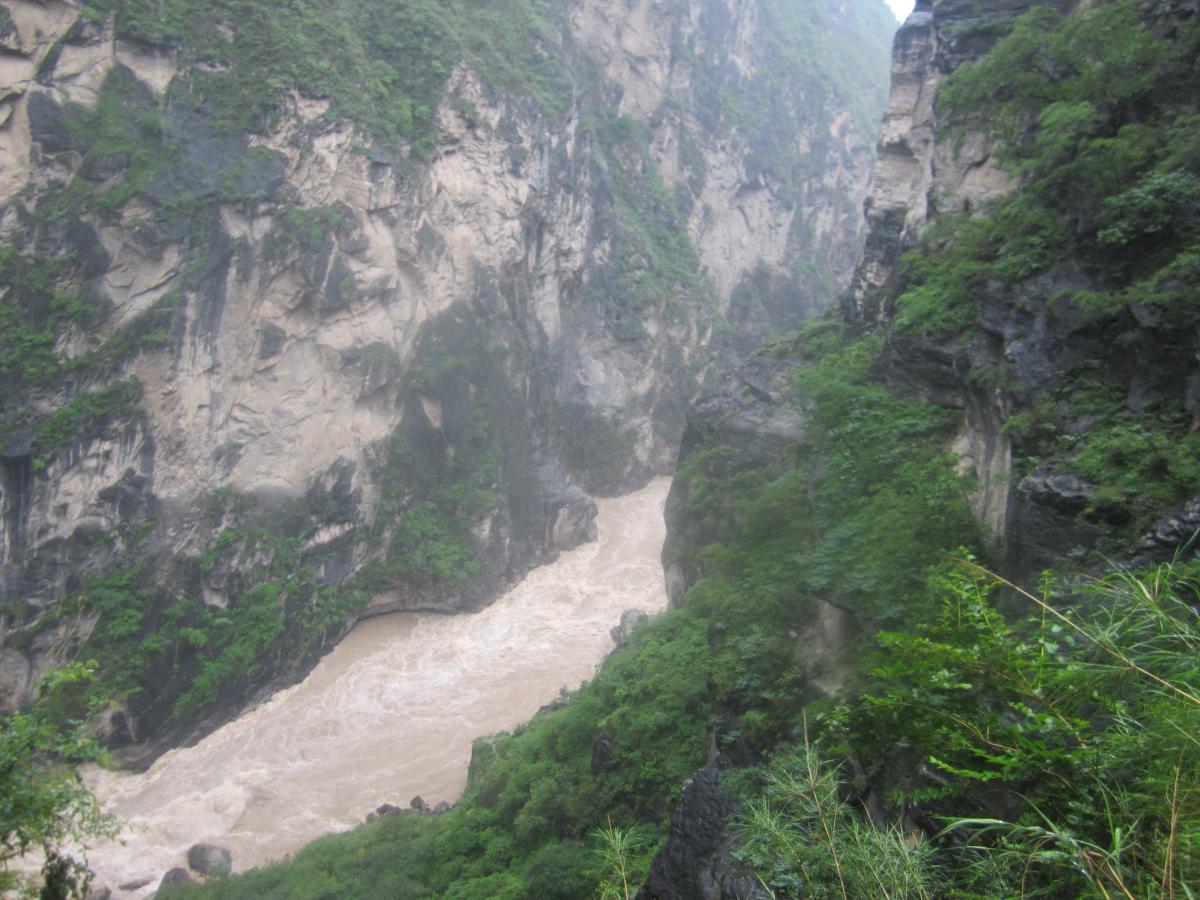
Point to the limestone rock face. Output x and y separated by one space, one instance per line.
751 218
301 365
915 174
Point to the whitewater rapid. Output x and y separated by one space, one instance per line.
390 713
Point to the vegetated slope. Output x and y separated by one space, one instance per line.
837 677
314 307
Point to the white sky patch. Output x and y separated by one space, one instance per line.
901 8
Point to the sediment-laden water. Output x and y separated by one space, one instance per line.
390 713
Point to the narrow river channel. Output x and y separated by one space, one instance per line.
390 713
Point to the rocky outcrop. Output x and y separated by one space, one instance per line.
623 631
754 417
916 175
1026 343
176 876
350 375
696 861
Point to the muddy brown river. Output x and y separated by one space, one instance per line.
390 713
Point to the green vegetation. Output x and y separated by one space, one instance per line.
305 229
617 847
43 805
123 132
1060 745
382 64
88 414
34 310
867 503
1093 114
804 839
428 508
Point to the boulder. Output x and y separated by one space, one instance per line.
209 859
177 875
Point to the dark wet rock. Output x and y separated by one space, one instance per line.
103 166
562 701
209 859
442 808
378 365
341 288
1045 521
48 123
1169 536
271 339
83 32
103 892
133 885
177 875
418 803
696 862
570 513
750 409
128 496
752 415
115 726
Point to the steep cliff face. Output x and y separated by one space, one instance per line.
731 93
1025 308
919 173
1051 341
755 412
301 321
1028 337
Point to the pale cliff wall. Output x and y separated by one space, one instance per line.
917 175
350 372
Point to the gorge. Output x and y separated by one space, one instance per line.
390 713
356 312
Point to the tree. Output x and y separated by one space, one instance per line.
43 804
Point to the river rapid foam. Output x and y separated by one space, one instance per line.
388 714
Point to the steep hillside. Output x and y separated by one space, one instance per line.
1007 388
348 308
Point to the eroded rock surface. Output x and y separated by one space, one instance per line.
330 377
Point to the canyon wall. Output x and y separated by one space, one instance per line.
283 349
1033 330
